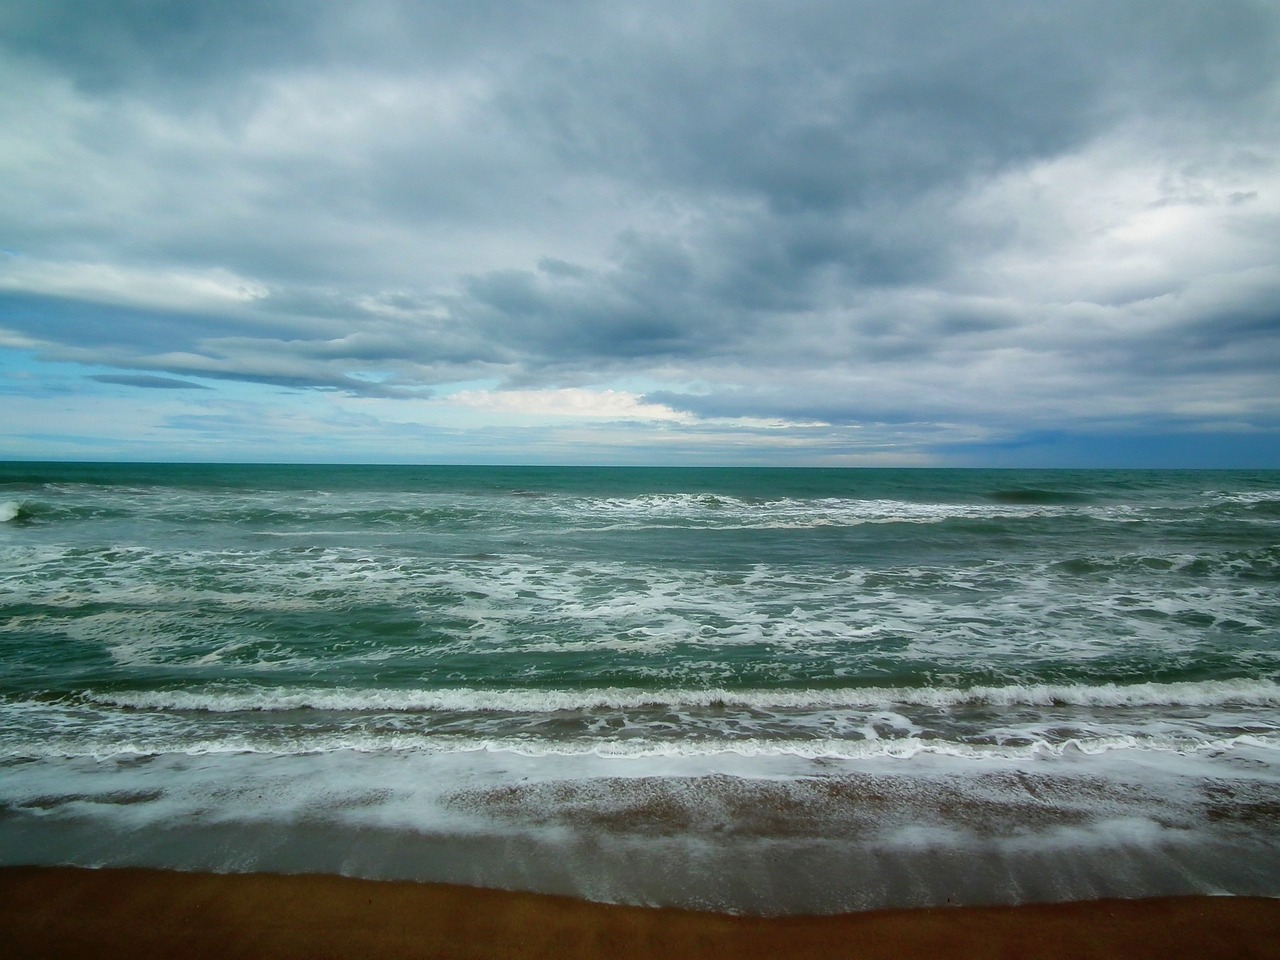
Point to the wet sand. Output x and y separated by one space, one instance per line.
68 912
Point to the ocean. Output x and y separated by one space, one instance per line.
762 691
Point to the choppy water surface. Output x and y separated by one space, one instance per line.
760 690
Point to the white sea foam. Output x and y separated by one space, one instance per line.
678 823
604 748
724 512
466 699
956 618
9 510
902 748
1249 497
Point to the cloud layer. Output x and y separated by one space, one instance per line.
829 232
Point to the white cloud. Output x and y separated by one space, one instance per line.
567 403
156 289
1116 222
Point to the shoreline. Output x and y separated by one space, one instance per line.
57 912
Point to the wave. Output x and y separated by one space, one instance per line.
472 700
725 512
1245 497
814 748
832 749
15 511
309 512
409 509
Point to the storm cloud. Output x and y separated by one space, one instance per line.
821 232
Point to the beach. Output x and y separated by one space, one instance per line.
70 912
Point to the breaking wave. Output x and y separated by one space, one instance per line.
469 700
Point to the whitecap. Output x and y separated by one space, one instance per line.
469 699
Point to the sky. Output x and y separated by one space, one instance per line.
697 232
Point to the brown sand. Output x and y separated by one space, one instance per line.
65 912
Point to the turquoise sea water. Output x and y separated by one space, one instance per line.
748 689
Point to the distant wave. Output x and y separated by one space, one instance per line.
678 510
1249 497
465 699
300 514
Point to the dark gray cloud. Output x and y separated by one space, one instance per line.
148 381
1003 215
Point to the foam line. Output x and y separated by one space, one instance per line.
903 748
466 699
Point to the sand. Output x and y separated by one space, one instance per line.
68 912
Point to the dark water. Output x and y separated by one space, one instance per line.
761 690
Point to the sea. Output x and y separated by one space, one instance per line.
758 691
